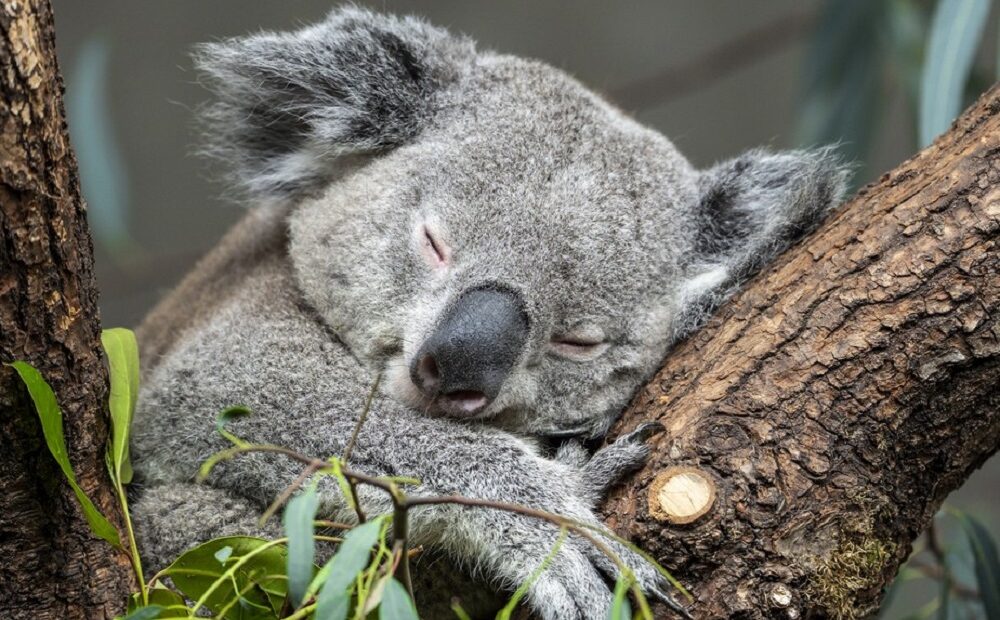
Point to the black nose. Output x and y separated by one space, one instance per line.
463 364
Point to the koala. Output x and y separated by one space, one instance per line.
504 253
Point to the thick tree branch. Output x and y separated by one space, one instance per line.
53 567
833 404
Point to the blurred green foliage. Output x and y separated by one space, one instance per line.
866 54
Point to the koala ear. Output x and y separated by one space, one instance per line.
288 103
751 209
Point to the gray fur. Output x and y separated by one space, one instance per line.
532 183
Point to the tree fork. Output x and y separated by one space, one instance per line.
53 566
833 404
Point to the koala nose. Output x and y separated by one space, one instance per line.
464 362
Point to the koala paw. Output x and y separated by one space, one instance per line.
610 464
653 584
574 586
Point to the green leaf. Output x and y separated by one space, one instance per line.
194 572
168 603
908 26
146 613
620 608
298 521
956 29
984 550
123 365
172 604
456 607
944 598
227 415
52 428
343 568
333 607
396 603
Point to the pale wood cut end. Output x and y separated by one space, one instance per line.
681 495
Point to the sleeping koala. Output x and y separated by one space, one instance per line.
508 252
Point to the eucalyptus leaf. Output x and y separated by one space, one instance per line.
908 25
956 30
195 571
459 612
145 613
333 607
227 415
843 77
122 352
52 428
620 608
298 521
92 125
373 598
396 602
171 604
342 569
984 550
944 598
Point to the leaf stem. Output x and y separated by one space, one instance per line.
133 549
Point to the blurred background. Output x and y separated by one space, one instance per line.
880 77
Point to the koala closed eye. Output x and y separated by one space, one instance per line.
580 345
432 248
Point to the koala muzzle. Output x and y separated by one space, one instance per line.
464 362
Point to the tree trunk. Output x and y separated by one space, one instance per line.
53 567
817 423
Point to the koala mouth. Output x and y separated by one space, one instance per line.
461 403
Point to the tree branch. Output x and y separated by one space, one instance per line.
54 567
835 402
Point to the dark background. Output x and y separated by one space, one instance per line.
717 77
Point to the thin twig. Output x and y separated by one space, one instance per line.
287 494
400 525
352 483
346 456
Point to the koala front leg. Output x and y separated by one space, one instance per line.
450 458
609 465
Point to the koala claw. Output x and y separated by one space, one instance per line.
671 602
610 464
643 432
647 576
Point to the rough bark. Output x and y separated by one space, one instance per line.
838 399
53 567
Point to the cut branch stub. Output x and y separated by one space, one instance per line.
681 495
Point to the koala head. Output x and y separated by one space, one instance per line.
499 241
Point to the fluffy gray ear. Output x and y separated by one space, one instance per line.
751 209
288 103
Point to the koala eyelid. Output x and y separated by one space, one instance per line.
433 249
578 347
